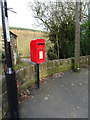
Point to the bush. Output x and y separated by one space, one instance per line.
51 54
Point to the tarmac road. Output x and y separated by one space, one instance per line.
62 96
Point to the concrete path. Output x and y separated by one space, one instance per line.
25 59
61 96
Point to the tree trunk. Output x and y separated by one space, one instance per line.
89 14
77 36
57 45
57 32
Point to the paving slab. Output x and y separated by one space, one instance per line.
61 96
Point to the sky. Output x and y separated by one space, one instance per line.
23 18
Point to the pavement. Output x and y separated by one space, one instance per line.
60 96
25 59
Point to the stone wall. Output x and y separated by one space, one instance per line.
27 75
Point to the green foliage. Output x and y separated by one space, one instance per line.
85 39
20 65
51 53
66 37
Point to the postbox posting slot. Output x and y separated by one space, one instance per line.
41 43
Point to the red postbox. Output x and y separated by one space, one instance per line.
37 50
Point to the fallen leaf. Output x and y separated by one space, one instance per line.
32 97
72 84
46 98
59 75
80 83
78 107
72 116
61 85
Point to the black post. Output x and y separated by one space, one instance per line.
37 73
9 73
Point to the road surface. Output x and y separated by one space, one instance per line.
60 96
